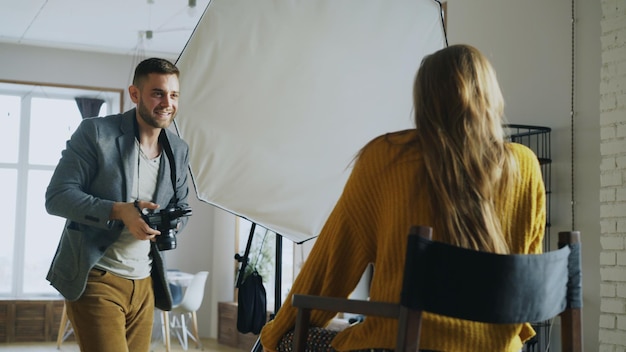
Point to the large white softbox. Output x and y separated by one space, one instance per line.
278 96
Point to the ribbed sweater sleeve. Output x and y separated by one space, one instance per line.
338 259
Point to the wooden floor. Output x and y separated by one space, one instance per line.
210 345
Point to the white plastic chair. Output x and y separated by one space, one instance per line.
176 321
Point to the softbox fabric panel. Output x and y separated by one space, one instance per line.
277 98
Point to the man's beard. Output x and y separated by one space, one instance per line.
146 116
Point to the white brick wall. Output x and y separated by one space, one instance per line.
613 177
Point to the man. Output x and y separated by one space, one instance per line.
107 265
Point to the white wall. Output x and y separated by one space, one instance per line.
529 43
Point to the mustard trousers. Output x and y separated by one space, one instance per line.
113 314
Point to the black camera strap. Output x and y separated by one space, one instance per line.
170 155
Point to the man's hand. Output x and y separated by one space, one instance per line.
130 216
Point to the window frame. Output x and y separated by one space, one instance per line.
114 97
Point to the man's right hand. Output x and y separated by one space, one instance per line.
131 217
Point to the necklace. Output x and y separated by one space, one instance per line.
144 155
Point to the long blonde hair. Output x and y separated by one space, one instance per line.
459 115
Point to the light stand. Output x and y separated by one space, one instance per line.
278 272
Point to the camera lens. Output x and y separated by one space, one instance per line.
166 240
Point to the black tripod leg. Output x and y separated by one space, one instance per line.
257 346
278 274
244 259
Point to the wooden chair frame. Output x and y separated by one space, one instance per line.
409 313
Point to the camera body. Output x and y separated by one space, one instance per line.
166 221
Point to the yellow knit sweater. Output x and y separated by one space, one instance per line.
370 224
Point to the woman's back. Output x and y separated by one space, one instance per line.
386 198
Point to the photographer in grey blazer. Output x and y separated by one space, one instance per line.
114 171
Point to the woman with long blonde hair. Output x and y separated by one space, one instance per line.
458 115
454 172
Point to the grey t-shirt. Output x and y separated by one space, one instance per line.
129 257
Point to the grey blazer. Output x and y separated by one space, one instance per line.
95 171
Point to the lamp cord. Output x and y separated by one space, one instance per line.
572 112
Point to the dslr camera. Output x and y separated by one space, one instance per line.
166 221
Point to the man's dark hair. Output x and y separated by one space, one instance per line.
153 65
